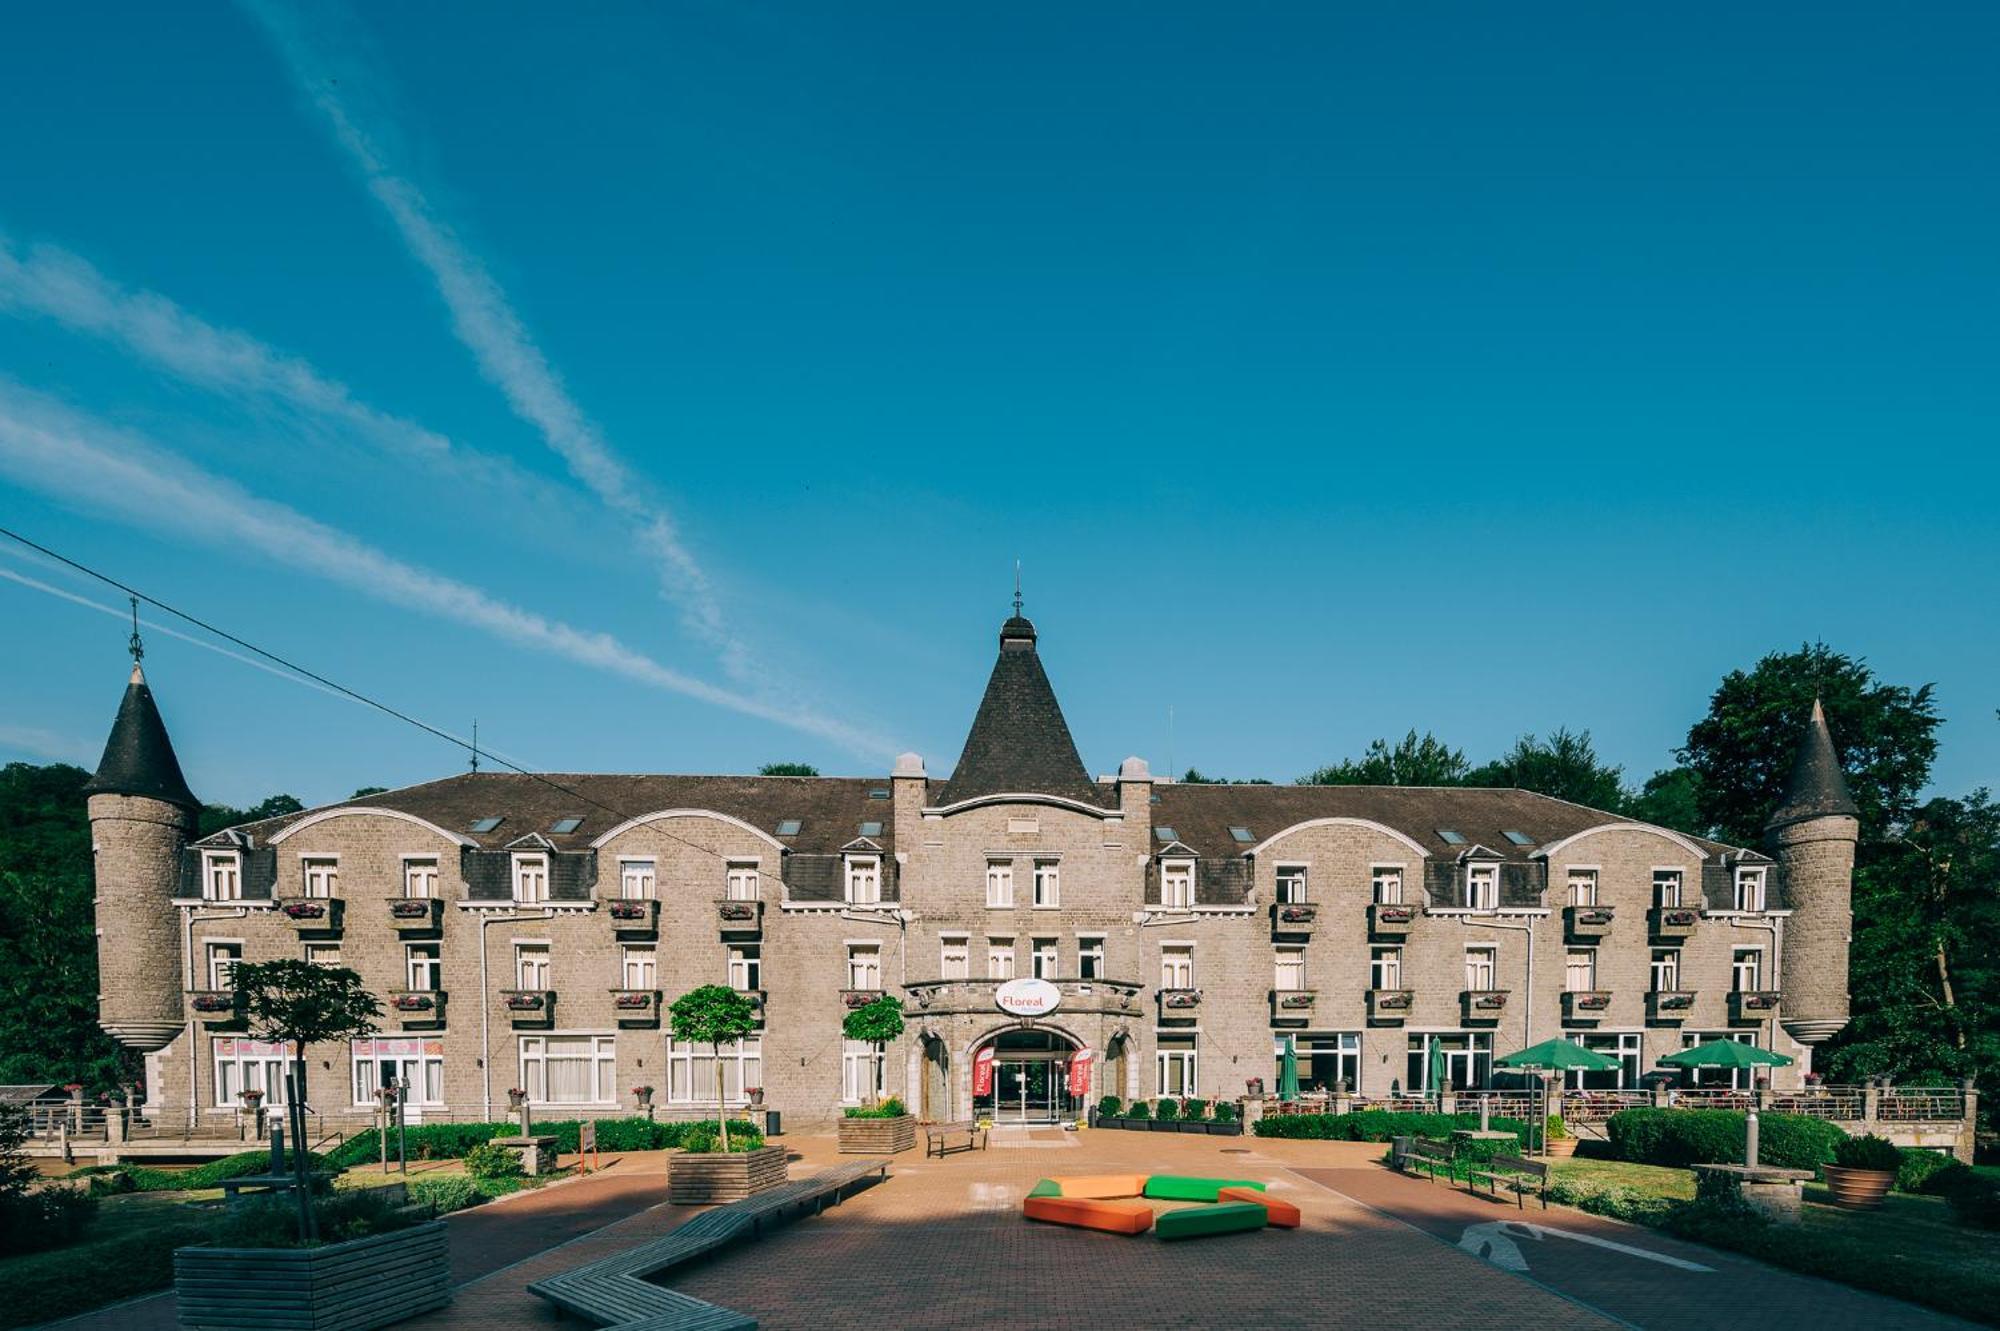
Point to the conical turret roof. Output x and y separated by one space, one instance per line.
1817 787
1019 743
139 758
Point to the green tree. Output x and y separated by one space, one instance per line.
1410 761
1195 777
788 769
876 1023
1671 797
299 1003
1564 766
1741 752
215 817
714 1015
366 791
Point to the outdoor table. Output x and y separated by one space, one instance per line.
1776 1193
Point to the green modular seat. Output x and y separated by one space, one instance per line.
1183 1188
1048 1187
1194 1222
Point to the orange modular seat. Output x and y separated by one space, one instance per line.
1113 1217
1102 1186
1281 1214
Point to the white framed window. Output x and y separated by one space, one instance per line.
1325 1061
322 875
531 966
1482 886
420 877
1177 885
999 958
570 1069
1291 885
744 882
1289 969
380 1062
954 957
691 1071
1177 966
746 967
1746 968
1621 1045
222 959
861 1071
639 968
1580 970
1583 887
1750 889
1048 885
864 966
222 875
1090 957
323 954
1480 967
1178 1069
1385 967
1667 888
638 880
423 968
864 880
999 884
1666 969
1044 960
1740 1079
1385 884
249 1065
531 878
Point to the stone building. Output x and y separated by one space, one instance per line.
528 931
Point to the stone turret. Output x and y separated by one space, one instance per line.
1813 834
142 815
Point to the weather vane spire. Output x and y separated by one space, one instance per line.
133 644
1017 589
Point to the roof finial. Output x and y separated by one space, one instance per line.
134 645
475 743
1017 589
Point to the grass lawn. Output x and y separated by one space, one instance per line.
127 1250
1912 1248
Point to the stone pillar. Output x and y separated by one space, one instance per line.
1963 1140
1871 1105
114 1121
1343 1103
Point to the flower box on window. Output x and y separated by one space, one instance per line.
1669 1005
529 1007
416 914
312 914
1484 1004
636 1007
1586 1004
855 998
1672 921
1292 1006
1587 921
634 917
1184 1001
739 917
1294 918
1390 1006
1390 920
216 1007
1752 1005
418 1007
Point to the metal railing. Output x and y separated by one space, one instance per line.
1598 1106
1920 1104
1841 1104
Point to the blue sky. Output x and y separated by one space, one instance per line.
672 387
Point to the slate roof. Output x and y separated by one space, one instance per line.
1019 742
830 810
138 757
1817 788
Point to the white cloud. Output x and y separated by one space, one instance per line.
45 744
50 447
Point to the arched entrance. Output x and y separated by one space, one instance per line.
1030 1077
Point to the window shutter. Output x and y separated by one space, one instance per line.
572 875
1444 884
260 873
1718 886
1522 884
1152 892
488 874
190 884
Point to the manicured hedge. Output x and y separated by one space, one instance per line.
1716 1136
1376 1125
141 1178
450 1141
1927 1171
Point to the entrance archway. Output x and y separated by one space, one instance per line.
1030 1082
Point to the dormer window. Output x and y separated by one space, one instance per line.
322 876
864 880
1750 890
1482 887
531 878
1177 885
222 876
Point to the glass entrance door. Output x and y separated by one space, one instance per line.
1030 1080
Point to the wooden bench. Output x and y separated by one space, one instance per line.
1429 1155
1517 1175
942 1137
260 1185
618 1291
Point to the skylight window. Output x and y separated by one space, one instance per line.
879 793
1450 837
1519 838
871 829
1242 834
789 826
564 826
1165 834
487 824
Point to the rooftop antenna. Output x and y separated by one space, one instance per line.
133 644
475 743
1017 589
1170 742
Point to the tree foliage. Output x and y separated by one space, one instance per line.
788 769
876 1023
1565 766
302 1002
714 1015
215 817
1410 761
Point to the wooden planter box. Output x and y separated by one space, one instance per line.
878 1136
376 1281
701 1179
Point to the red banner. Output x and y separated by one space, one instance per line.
982 1071
1079 1073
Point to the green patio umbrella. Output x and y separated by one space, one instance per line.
1558 1056
1288 1072
1437 1075
1725 1054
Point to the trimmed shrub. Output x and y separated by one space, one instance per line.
1925 1171
1975 1200
1377 1125
1139 1109
450 1141
273 1221
486 1161
446 1193
1194 1110
1677 1137
889 1108
105 1179
702 1138
1109 1105
1868 1152
1168 1109
1225 1111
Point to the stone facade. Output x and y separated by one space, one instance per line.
815 892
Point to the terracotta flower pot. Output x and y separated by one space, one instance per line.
1559 1147
1858 1189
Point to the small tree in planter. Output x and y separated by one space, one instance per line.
1107 1111
878 1126
1166 1116
1225 1124
714 1015
874 1023
1194 1114
298 1003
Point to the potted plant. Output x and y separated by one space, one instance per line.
756 1094
1166 1116
1138 1116
1106 1113
1556 1138
516 1097
716 1167
1862 1172
1194 1116
876 1128
642 1097
1225 1123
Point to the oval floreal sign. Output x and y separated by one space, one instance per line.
1027 997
